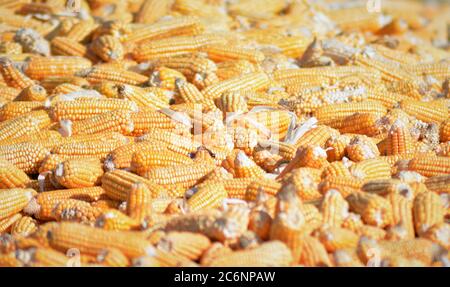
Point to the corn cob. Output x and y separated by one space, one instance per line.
430 165
144 160
345 185
10 260
336 168
165 29
174 46
108 48
374 209
7 222
428 210
269 187
206 196
335 147
253 81
188 92
25 226
289 228
9 93
316 136
99 73
309 156
118 184
230 69
328 114
19 126
81 30
121 157
438 184
180 175
418 249
78 173
313 253
337 238
92 240
374 168
14 200
402 213
428 112
82 109
334 208
220 53
13 76
305 182
161 258
113 257
214 224
75 210
445 131
43 204
116 220
11 176
39 68
32 93
361 148
139 202
245 167
280 255
185 244
15 109
360 123
260 223
151 10
113 121
149 123
142 97
64 46
188 65
438 233
24 156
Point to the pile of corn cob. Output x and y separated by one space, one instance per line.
224 133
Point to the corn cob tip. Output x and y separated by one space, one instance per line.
65 128
108 164
41 180
32 207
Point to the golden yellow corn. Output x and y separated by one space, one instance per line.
90 240
14 200
374 209
428 210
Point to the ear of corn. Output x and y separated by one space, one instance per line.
118 184
78 173
11 176
428 210
280 255
186 133
90 240
374 209
14 200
